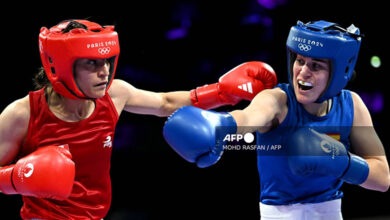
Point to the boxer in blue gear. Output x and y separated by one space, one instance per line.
317 123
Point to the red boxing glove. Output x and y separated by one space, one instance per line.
243 82
46 173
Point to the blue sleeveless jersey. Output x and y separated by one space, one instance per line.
279 186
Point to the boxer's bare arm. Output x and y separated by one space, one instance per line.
366 143
266 110
14 122
127 97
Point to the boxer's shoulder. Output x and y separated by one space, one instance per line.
362 115
18 110
120 92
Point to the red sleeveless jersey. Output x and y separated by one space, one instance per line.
90 142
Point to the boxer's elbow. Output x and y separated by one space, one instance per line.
384 187
378 185
384 183
387 184
166 108
379 175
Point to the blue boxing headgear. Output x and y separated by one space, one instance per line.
326 40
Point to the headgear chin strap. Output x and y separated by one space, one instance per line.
326 40
60 48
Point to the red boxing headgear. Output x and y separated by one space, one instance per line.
60 49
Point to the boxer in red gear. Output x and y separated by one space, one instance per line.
77 104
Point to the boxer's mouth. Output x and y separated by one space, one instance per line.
304 85
100 84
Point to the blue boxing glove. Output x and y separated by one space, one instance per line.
196 134
312 152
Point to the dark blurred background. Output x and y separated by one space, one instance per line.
179 45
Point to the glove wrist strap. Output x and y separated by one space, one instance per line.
206 97
357 171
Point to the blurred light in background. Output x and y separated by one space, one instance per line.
255 18
271 4
374 101
176 33
375 61
182 19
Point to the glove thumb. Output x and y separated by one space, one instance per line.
208 159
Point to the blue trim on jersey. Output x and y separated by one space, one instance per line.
279 186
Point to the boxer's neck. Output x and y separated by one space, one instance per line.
319 109
70 110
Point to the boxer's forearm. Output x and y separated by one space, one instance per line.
171 101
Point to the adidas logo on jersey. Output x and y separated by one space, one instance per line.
247 87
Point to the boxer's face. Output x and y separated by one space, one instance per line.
310 78
92 76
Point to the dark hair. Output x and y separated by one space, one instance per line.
72 25
40 79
